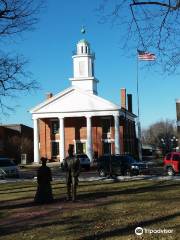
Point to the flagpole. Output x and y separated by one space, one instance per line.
138 118
143 56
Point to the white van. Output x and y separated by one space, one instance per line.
9 167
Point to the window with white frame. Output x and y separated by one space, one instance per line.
55 127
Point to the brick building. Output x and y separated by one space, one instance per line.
15 140
78 116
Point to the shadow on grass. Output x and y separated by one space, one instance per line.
74 223
157 186
28 189
129 229
24 187
14 188
34 223
26 204
8 204
32 189
48 219
101 194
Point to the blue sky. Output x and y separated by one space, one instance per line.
49 50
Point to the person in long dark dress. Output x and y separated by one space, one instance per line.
44 178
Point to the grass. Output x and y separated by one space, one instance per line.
104 210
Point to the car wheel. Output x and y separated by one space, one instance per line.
102 172
136 173
128 173
170 171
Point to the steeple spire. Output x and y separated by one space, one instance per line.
83 67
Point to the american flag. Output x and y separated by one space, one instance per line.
146 56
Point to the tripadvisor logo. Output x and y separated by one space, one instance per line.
139 231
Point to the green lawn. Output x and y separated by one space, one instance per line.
104 210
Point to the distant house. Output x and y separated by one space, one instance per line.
80 118
147 152
16 142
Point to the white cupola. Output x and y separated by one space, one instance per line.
83 68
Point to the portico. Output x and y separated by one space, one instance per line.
89 133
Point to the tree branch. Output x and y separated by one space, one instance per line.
158 3
137 26
162 25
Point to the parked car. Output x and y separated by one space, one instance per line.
9 167
2 174
84 161
172 163
120 165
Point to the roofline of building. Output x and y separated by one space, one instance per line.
60 94
14 124
129 113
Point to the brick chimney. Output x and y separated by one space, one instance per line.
129 99
49 95
123 98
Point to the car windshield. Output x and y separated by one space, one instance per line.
129 159
176 157
82 155
6 163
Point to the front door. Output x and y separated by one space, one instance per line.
80 148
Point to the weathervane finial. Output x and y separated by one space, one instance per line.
83 30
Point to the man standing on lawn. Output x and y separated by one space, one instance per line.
72 167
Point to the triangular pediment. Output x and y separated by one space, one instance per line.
74 100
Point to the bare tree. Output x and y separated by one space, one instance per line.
161 134
16 16
13 79
147 25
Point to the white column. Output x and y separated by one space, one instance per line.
36 141
62 141
117 142
89 138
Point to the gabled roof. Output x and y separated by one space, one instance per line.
74 100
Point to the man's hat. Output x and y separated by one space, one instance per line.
43 159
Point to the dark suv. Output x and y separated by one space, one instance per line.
120 165
172 163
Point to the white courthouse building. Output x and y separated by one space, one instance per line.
78 116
